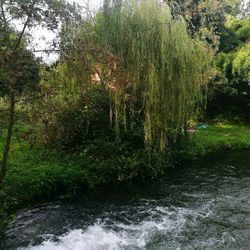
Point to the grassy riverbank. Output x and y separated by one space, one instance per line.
220 137
38 174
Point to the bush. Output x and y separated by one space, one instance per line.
67 122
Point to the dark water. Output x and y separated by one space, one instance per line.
202 206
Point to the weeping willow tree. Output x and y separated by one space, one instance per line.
145 56
157 63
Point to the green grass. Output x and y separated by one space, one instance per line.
221 136
36 175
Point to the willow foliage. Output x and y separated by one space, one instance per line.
157 63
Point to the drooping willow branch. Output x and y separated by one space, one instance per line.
155 63
159 61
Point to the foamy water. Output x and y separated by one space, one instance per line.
109 235
94 238
206 206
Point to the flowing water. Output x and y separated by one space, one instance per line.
205 205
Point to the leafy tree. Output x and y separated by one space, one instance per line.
241 64
233 65
158 63
147 61
18 68
206 18
234 33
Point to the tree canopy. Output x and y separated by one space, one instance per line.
152 61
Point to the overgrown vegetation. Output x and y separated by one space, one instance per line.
119 104
38 174
229 93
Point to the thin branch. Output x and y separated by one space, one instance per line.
3 15
26 23
46 50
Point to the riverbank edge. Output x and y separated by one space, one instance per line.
33 179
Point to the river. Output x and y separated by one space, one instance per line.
204 205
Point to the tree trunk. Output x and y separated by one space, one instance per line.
3 170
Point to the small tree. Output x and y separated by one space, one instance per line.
18 68
20 74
